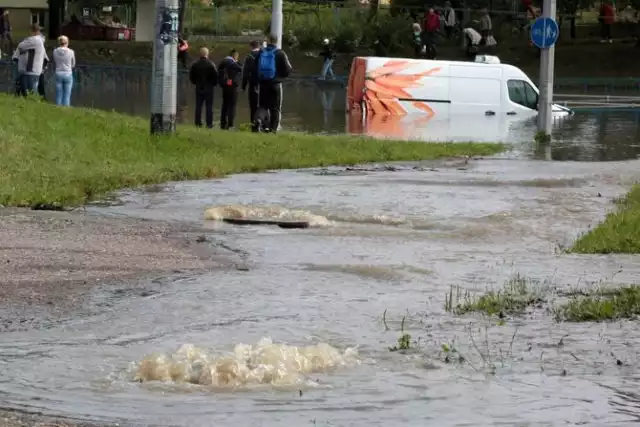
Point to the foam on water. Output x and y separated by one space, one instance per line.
218 213
266 362
280 213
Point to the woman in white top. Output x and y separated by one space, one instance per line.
65 61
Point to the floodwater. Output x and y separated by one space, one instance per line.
393 241
593 135
300 333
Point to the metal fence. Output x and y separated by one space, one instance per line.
114 78
254 20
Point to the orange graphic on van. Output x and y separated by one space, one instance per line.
388 126
384 87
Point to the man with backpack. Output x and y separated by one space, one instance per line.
229 72
272 66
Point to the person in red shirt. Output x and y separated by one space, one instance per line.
606 18
431 27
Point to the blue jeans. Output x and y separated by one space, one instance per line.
64 84
29 83
327 69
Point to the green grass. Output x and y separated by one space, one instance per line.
618 233
515 297
621 303
57 157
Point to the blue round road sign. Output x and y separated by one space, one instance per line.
544 32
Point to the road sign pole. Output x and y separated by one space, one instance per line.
547 63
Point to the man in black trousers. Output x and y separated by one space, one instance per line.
229 74
204 76
248 69
272 67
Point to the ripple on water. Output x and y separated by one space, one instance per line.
335 283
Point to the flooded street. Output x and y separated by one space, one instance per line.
591 135
300 333
381 240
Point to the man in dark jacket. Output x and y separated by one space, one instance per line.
272 66
248 69
229 72
204 76
6 41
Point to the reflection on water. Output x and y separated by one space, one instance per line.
593 136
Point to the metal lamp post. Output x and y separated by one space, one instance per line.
276 21
164 79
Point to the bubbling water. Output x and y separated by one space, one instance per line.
218 213
266 362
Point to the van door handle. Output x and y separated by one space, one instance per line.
511 113
489 113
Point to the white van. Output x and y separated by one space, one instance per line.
439 89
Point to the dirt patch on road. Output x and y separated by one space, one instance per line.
49 261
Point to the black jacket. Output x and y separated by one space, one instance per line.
327 53
229 70
203 75
5 24
283 66
248 69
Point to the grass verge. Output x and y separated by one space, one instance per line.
607 304
517 294
56 157
618 233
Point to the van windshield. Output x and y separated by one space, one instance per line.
521 92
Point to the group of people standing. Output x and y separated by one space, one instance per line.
263 71
427 32
31 61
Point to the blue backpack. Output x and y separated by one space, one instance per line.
267 64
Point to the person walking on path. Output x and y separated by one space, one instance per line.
31 57
430 33
449 16
247 79
6 41
486 28
229 72
329 56
64 60
272 67
418 46
204 76
607 18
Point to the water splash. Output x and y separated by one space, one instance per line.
218 213
278 365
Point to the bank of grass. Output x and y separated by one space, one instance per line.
618 233
601 305
517 294
54 156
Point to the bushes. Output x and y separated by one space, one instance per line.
350 27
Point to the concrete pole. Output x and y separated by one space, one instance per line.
547 64
276 21
164 80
